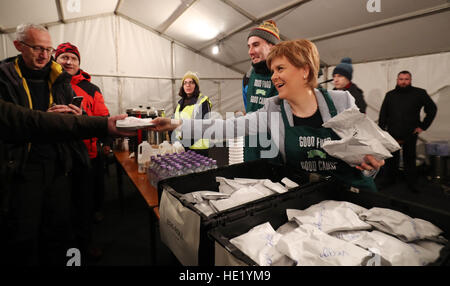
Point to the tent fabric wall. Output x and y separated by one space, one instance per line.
440 129
133 66
142 53
187 60
95 39
110 89
146 92
3 42
430 72
231 98
7 48
15 12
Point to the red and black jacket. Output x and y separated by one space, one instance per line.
93 103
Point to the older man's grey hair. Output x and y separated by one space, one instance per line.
22 29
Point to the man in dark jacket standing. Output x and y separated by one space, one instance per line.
400 116
35 223
342 80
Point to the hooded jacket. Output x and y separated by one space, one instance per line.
93 103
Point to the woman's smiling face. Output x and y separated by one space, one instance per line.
287 78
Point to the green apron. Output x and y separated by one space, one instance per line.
303 147
260 87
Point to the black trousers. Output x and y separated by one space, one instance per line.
409 161
98 181
82 204
36 229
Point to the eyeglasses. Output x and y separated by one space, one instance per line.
39 49
188 83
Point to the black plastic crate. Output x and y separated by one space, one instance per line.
260 169
274 212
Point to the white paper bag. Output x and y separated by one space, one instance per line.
180 229
360 136
309 246
404 227
330 216
259 244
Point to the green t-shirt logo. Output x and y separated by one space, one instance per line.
261 91
318 153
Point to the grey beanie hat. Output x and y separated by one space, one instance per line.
268 31
344 68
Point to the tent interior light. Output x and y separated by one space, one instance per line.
200 29
215 49
74 6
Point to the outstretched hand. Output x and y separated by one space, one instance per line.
370 164
112 129
165 124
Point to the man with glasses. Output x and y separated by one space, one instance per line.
35 218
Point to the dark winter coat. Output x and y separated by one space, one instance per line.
12 90
400 111
357 93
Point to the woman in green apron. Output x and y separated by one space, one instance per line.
309 156
302 109
295 66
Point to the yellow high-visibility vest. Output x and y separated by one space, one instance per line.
189 112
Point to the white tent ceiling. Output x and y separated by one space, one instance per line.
137 50
340 28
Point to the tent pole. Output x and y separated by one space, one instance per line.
119 83
219 93
172 73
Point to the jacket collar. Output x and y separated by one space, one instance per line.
55 69
261 68
80 76
403 89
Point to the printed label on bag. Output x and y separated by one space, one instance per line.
180 229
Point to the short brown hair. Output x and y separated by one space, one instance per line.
301 53
404 72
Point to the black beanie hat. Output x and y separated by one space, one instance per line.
344 68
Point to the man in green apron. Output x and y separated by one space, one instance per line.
257 85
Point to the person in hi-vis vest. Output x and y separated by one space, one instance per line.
193 105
